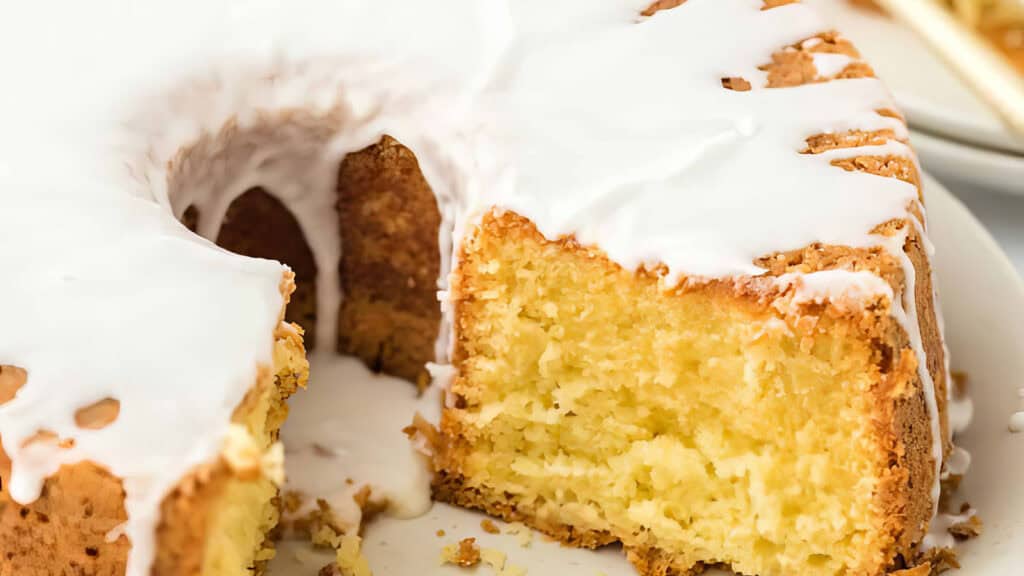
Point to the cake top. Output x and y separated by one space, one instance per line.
585 117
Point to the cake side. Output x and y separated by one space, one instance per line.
214 522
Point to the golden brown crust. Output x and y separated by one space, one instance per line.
452 488
389 222
12 378
654 562
66 527
794 65
820 143
659 5
790 69
184 516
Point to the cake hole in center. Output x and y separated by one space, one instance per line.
259 224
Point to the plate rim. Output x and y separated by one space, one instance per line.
966 164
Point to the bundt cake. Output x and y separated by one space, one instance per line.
673 256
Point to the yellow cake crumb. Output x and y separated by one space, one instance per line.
244 455
465 553
351 561
493 558
522 533
488 525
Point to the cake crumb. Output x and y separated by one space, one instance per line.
292 501
321 526
440 533
424 436
967 529
493 558
368 507
466 553
522 533
960 381
937 560
488 525
351 561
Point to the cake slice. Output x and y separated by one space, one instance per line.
786 422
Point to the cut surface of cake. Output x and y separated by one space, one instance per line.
667 265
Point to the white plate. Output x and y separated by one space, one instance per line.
983 301
954 162
928 92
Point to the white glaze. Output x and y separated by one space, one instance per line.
958 462
828 64
580 115
938 532
960 411
838 286
905 310
1017 418
348 426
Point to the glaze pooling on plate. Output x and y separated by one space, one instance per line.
347 434
582 116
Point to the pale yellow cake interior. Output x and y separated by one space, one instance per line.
245 511
700 423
